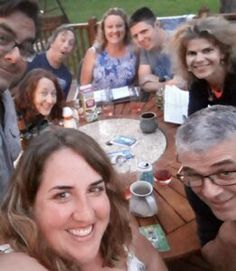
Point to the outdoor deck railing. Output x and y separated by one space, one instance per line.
85 33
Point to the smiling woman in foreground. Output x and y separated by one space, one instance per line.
64 210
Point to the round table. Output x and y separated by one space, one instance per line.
148 147
175 214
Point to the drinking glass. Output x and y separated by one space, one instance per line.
162 176
107 109
160 98
126 177
135 101
76 109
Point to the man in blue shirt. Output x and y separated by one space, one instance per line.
60 46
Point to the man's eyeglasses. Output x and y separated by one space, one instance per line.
7 43
222 178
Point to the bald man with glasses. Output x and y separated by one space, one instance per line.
18 21
206 148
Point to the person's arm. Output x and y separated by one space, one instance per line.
19 261
215 256
220 252
86 76
177 81
68 84
148 81
198 97
145 252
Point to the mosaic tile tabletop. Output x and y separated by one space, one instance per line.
149 147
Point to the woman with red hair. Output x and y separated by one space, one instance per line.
39 99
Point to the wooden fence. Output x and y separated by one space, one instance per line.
85 34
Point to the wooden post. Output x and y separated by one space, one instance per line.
227 6
92 30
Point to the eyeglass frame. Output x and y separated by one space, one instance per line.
202 177
15 44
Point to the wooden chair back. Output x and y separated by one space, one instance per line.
85 33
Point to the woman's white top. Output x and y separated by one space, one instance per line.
133 263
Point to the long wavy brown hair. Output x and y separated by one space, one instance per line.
24 96
18 226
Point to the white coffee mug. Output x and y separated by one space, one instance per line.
142 202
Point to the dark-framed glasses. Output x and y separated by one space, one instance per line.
8 43
221 178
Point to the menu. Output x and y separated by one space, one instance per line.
116 94
120 93
175 104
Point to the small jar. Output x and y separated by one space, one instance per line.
68 119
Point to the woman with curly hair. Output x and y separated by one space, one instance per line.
112 61
69 215
205 51
39 99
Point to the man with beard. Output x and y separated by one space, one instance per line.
18 20
60 45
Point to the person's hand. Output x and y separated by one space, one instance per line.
177 81
220 252
150 83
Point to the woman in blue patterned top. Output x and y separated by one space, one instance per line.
112 61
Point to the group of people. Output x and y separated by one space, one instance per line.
127 52
56 215
41 94
72 216
205 56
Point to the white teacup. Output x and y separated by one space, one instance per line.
142 202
